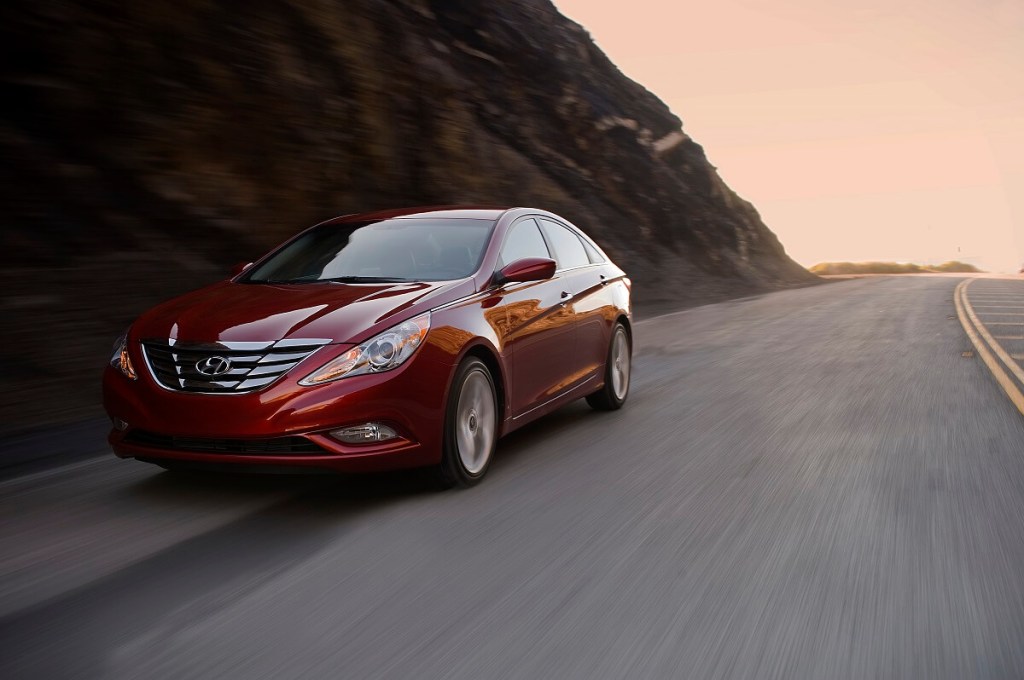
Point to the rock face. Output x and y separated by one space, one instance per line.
150 145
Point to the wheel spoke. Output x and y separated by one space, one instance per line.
620 368
475 422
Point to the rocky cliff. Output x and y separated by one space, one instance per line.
150 145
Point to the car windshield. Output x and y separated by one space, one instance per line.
405 249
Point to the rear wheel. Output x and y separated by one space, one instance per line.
617 371
471 425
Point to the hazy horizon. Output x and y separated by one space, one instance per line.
880 131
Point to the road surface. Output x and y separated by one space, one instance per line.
817 483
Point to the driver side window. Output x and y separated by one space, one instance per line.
524 240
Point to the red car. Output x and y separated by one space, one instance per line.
377 341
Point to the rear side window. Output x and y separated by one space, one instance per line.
593 253
569 250
523 240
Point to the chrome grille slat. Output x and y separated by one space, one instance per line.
253 383
233 346
274 369
282 358
213 385
189 372
253 365
298 343
163 365
193 356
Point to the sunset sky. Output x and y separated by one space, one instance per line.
869 130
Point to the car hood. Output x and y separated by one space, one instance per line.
339 312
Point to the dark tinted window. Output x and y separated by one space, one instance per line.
523 240
409 249
569 251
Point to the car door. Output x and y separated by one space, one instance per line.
581 268
539 324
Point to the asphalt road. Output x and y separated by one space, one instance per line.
811 484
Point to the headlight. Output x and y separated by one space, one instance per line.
120 359
383 352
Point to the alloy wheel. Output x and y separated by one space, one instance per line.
475 422
620 364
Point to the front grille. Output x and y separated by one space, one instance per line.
254 447
224 367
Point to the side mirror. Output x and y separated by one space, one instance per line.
526 269
239 268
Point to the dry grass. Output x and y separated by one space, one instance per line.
834 268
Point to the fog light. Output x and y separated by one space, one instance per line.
364 434
119 424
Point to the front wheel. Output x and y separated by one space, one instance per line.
471 425
616 373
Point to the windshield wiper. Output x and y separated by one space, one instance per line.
333 279
366 279
278 282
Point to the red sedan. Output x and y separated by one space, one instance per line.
377 341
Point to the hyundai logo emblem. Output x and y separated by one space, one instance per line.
213 366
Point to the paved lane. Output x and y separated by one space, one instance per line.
815 483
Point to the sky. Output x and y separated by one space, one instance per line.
870 130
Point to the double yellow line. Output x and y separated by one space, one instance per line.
988 349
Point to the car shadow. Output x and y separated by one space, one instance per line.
172 486
80 629
524 441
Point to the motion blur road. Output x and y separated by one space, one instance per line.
814 483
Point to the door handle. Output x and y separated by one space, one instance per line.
566 295
604 280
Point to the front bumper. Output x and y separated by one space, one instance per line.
391 455
227 428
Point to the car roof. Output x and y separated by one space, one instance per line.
449 212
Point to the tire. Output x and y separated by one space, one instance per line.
617 371
470 426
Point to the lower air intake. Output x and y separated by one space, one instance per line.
246 447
